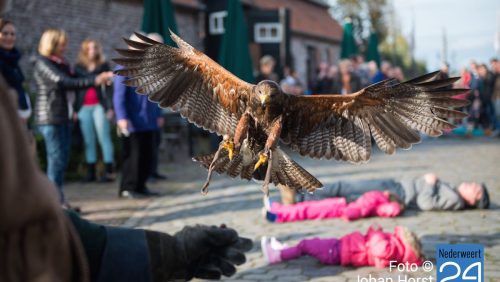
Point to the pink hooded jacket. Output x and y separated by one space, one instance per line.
373 203
376 248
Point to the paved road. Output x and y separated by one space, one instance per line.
238 203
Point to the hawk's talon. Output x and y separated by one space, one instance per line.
263 157
229 146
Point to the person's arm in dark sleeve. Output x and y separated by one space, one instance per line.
107 90
93 238
125 254
50 72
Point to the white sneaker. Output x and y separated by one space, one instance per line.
271 255
277 245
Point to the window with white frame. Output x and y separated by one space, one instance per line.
216 22
267 32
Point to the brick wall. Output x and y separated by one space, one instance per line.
105 20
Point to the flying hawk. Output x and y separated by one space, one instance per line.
253 118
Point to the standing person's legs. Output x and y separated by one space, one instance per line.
145 159
496 105
88 133
85 116
156 149
102 127
55 150
490 111
130 161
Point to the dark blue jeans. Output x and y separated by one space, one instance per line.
57 143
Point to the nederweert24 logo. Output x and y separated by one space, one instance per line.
460 263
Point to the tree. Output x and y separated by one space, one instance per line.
366 15
397 51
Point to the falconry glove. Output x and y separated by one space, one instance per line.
199 251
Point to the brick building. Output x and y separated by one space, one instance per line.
105 20
310 34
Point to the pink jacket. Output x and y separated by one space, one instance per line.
376 248
373 203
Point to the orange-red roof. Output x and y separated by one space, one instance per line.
307 17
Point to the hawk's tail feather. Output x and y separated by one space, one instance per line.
285 171
292 174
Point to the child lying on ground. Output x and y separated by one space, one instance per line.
373 203
376 248
426 192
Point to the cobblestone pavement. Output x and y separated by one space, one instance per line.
238 204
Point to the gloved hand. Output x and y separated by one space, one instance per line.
199 251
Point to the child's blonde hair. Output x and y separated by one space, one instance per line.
51 39
412 240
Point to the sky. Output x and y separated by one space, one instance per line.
471 27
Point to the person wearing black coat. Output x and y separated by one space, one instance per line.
53 78
10 69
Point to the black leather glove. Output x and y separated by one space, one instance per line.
199 251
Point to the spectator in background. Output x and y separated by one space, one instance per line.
486 85
372 70
360 68
9 68
444 74
383 73
266 69
291 84
349 82
137 120
495 68
155 175
324 81
95 110
397 73
53 79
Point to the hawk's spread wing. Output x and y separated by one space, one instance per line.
187 81
341 127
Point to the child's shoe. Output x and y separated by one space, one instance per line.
271 254
266 210
277 245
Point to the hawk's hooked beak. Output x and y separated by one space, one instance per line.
264 99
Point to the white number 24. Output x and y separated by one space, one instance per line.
465 275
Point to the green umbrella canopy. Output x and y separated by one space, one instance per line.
348 47
159 17
372 53
234 53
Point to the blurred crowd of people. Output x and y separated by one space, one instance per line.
83 97
348 76
352 75
484 96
